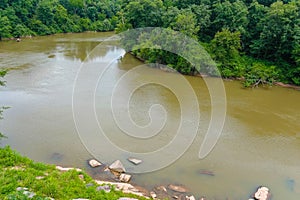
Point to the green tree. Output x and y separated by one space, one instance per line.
260 74
144 13
232 16
225 49
256 13
203 16
21 30
45 11
5 28
279 27
186 23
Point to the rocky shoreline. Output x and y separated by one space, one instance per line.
120 180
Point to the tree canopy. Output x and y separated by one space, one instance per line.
235 32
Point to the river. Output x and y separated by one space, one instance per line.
259 144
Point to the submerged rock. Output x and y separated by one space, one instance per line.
207 172
135 161
177 188
117 166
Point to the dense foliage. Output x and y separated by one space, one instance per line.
243 36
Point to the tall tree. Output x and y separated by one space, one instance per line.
232 16
186 22
144 13
5 28
280 32
225 48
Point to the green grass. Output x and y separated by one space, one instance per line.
18 171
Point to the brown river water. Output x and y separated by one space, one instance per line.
57 86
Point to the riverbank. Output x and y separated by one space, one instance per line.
21 178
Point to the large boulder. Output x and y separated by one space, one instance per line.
117 166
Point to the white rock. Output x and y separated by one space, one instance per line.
153 195
262 193
94 163
125 178
65 169
117 166
135 161
190 198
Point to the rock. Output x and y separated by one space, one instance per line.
89 185
175 197
39 177
125 187
21 188
81 177
162 188
117 166
125 178
29 194
65 169
105 188
177 188
190 197
106 169
262 193
94 163
153 195
135 161
207 172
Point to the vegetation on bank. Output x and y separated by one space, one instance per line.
21 178
258 40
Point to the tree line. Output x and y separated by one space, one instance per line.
258 40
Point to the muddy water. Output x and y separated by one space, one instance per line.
259 145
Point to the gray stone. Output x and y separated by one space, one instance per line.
29 194
117 166
177 188
153 195
125 178
105 188
89 185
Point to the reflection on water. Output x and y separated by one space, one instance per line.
260 143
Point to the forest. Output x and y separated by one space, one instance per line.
256 40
